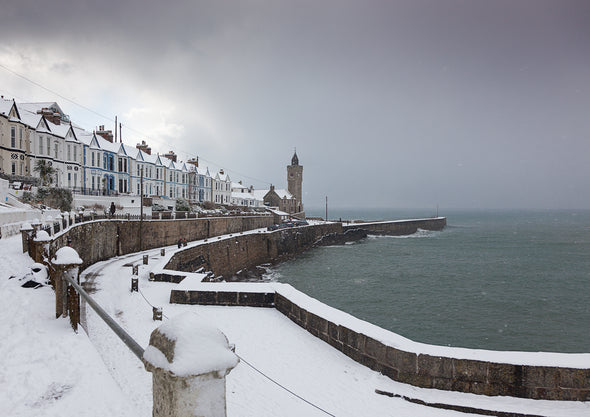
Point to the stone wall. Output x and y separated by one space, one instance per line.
446 373
100 240
227 256
421 370
400 227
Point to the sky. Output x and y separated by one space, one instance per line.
390 104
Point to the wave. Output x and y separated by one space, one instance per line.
420 233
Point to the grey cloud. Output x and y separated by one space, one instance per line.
401 103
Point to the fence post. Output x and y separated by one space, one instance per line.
26 231
67 300
188 377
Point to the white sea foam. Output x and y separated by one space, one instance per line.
419 234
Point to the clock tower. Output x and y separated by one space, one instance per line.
295 180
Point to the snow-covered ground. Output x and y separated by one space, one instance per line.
48 370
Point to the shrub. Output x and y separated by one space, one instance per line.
59 198
182 205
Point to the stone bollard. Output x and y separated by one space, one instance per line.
157 313
134 284
67 300
188 359
26 231
135 269
162 252
40 247
145 259
152 277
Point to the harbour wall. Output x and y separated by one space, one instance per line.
104 239
399 227
225 257
384 351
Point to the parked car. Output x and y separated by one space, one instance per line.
299 222
272 227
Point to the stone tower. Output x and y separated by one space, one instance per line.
295 180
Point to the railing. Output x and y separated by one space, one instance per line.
119 331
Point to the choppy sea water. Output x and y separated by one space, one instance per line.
502 280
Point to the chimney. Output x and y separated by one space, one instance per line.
144 147
50 115
171 155
106 134
272 187
193 161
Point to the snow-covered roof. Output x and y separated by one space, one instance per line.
5 106
283 193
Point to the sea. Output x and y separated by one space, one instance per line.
515 280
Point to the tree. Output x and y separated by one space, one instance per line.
46 172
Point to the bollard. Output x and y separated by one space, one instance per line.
135 269
157 313
134 284
152 277
145 259
26 231
162 252
67 301
188 377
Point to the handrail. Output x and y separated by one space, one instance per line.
119 331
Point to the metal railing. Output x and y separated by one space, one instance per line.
119 331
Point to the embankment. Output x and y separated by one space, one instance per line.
103 239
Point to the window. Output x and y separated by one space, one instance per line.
13 137
40 145
20 134
75 154
93 179
92 164
69 152
14 168
48 146
55 150
125 165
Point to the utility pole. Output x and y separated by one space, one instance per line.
141 210
326 208
115 129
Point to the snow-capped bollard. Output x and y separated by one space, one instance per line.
134 284
157 313
135 269
26 231
145 259
40 247
162 252
67 300
188 359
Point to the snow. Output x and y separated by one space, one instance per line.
200 348
42 236
67 256
48 370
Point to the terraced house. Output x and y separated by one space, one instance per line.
92 163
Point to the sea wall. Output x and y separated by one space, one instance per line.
399 227
103 239
225 257
374 348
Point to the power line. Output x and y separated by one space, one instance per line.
126 126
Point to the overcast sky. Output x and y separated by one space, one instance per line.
413 103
